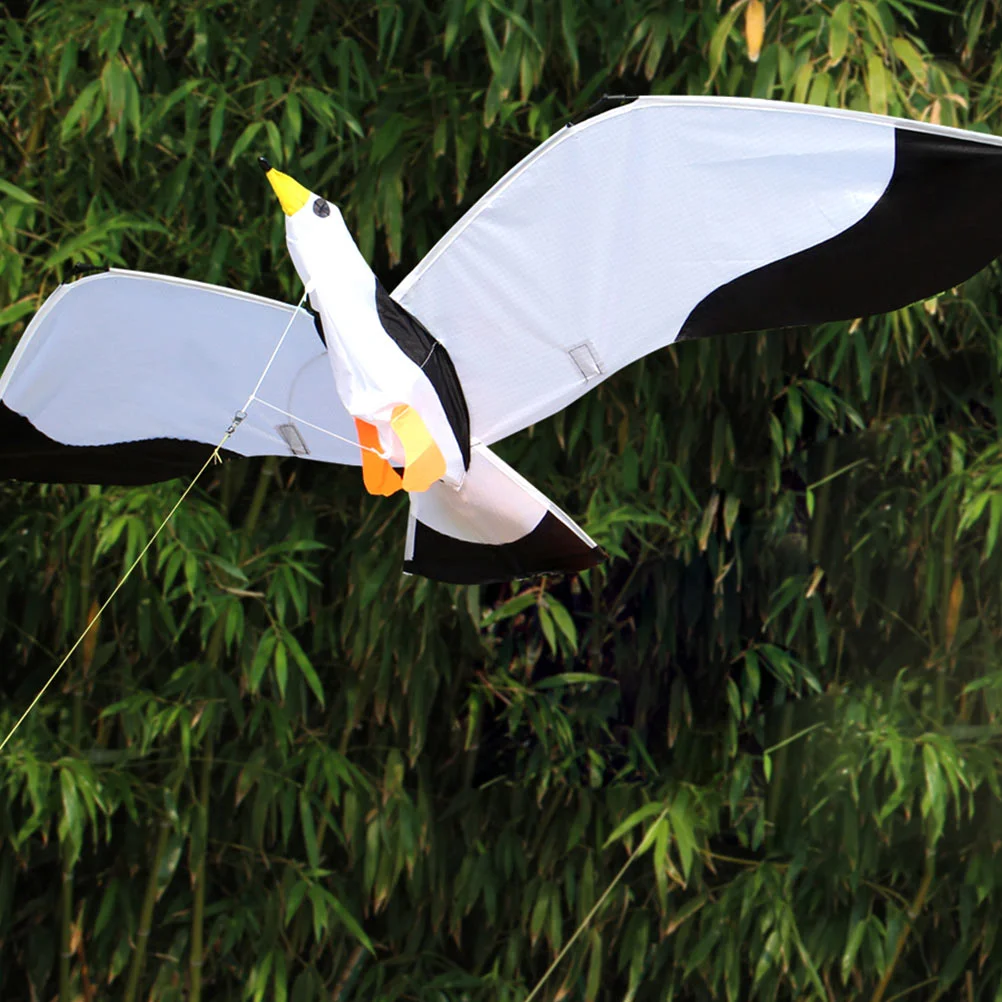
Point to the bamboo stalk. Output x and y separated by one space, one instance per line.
146 915
913 914
213 654
946 584
822 501
76 723
357 956
65 936
776 793
268 470
198 878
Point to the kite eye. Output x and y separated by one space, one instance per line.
321 208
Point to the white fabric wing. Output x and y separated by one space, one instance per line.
594 250
129 357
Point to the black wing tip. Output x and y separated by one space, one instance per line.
550 548
30 456
937 222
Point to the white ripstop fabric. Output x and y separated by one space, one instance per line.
495 505
371 372
613 230
124 356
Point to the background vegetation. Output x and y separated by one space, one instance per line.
280 771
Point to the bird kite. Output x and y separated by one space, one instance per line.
658 220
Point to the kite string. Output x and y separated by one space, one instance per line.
281 341
242 413
214 455
644 843
316 427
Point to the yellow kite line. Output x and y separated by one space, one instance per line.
214 456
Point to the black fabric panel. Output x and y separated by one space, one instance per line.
414 340
28 454
550 548
317 322
605 103
938 222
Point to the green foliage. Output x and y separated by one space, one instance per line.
280 770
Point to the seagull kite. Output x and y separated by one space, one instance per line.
658 220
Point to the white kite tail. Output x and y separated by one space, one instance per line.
496 527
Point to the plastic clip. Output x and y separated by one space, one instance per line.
237 419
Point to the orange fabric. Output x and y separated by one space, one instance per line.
377 474
423 460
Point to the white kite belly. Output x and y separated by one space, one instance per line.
374 377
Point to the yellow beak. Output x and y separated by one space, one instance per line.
292 195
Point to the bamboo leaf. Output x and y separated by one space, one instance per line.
71 824
216 121
455 10
18 194
685 912
910 56
838 32
754 28
11 314
718 40
262 658
956 600
570 678
876 84
635 818
309 834
510 608
562 620
683 828
244 141
79 109
305 665
67 64
351 923
295 899
593 979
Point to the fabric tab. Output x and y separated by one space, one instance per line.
586 360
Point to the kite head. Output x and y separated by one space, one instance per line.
292 196
313 226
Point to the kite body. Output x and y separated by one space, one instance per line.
660 220
378 354
469 509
